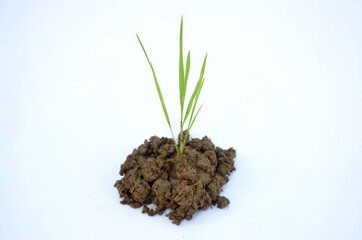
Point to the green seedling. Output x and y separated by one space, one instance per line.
190 114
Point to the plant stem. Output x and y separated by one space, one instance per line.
181 133
174 140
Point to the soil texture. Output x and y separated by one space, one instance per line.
153 174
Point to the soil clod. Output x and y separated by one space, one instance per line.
154 174
222 202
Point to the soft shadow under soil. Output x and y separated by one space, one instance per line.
154 174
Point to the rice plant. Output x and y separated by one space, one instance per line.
187 119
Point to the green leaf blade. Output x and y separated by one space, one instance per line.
196 99
197 90
157 86
203 66
181 72
189 106
188 61
195 116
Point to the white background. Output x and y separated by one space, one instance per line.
283 86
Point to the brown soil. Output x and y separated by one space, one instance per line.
154 174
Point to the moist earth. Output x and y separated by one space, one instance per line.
153 174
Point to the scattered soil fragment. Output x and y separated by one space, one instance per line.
154 174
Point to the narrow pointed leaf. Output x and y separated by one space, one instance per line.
181 72
192 123
187 71
195 102
197 89
157 86
195 116
203 66
189 106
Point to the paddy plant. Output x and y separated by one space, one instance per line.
189 112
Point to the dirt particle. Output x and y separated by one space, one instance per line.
145 209
151 213
222 202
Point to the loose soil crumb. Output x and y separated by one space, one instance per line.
154 174
222 202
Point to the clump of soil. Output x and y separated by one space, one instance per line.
154 174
